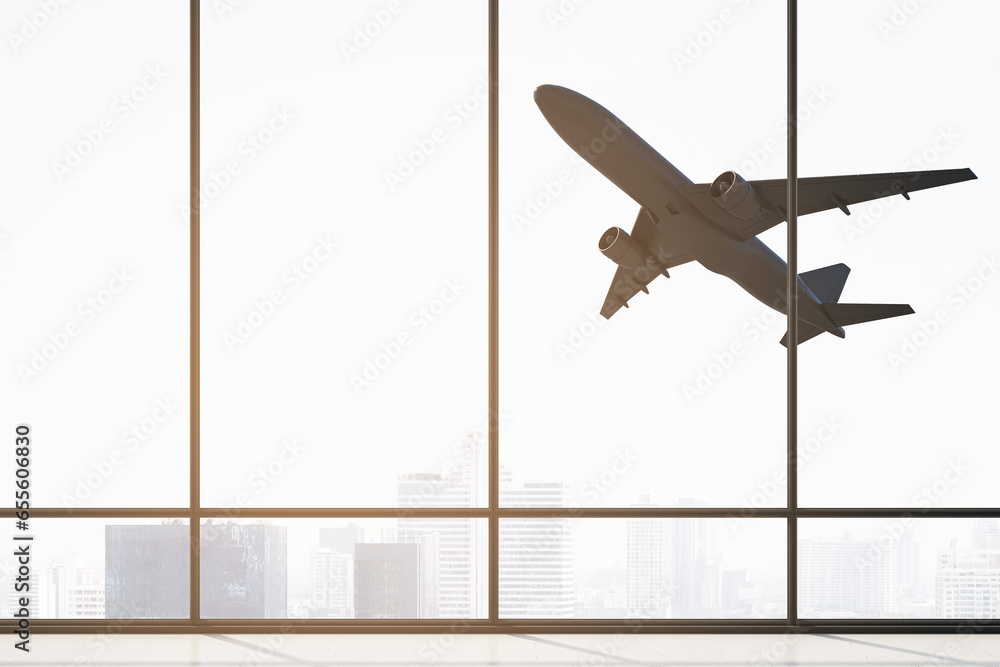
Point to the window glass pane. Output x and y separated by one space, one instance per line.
334 568
683 392
911 396
909 567
344 247
560 567
93 258
101 568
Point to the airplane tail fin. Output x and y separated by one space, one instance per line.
828 284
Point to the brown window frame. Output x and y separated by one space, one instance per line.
494 513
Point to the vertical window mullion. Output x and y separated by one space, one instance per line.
494 343
195 259
791 290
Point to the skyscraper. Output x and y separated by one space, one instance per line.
967 582
427 565
536 554
986 534
56 590
848 578
84 595
146 571
333 584
244 572
738 595
908 567
86 600
387 580
694 578
341 538
645 593
333 572
461 583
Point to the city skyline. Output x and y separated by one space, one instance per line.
669 568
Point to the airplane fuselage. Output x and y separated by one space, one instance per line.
622 156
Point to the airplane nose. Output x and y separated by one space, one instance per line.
557 103
543 94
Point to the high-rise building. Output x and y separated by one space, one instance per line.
694 575
536 554
738 595
460 543
428 565
645 592
333 584
967 582
848 578
333 572
341 538
244 571
387 580
86 601
672 572
55 591
986 534
908 580
146 571
86 595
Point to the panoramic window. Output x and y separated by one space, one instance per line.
374 366
95 266
620 411
344 322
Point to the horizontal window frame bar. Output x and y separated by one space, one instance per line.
509 513
507 626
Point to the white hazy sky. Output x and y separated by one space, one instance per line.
870 99
877 87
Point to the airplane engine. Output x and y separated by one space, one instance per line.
622 249
736 196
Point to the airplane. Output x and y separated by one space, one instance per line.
717 223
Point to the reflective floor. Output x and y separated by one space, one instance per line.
528 650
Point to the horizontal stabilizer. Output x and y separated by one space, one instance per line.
827 284
806 332
844 314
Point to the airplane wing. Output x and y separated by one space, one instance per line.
820 194
663 254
